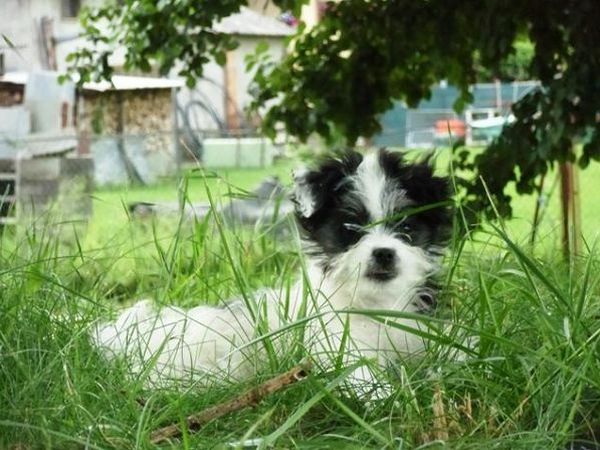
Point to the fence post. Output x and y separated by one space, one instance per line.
175 125
571 210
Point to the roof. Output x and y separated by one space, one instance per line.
14 77
129 83
119 82
251 23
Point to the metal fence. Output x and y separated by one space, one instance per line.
421 127
435 122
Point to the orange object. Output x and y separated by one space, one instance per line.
455 126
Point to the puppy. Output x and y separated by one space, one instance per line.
374 229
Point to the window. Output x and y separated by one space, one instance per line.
70 8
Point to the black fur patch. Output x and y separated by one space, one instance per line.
429 226
331 193
340 219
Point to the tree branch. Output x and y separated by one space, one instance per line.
247 399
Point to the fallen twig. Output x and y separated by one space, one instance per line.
248 398
440 425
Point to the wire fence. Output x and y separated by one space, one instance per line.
435 122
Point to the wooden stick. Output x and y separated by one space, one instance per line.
247 399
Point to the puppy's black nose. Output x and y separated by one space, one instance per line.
384 257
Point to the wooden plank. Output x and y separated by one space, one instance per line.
231 93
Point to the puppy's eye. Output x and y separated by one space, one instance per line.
405 227
352 227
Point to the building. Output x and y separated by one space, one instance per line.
127 126
48 30
42 33
220 99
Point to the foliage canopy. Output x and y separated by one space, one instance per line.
347 70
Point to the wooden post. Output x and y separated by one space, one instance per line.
571 210
231 93
577 236
49 46
175 125
565 200
498 87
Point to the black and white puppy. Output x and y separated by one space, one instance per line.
374 229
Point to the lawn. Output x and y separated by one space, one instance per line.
110 210
533 381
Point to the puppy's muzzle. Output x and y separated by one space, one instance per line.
383 265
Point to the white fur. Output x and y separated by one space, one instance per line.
198 344
303 193
395 294
372 186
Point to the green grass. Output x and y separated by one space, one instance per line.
533 382
110 213
110 203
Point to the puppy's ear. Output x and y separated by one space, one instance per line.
423 186
316 189
303 197
416 177
313 188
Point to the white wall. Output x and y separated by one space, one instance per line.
213 92
209 92
21 23
247 46
23 31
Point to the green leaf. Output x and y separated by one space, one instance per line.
12 46
9 42
261 47
220 58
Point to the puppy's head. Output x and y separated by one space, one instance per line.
374 219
